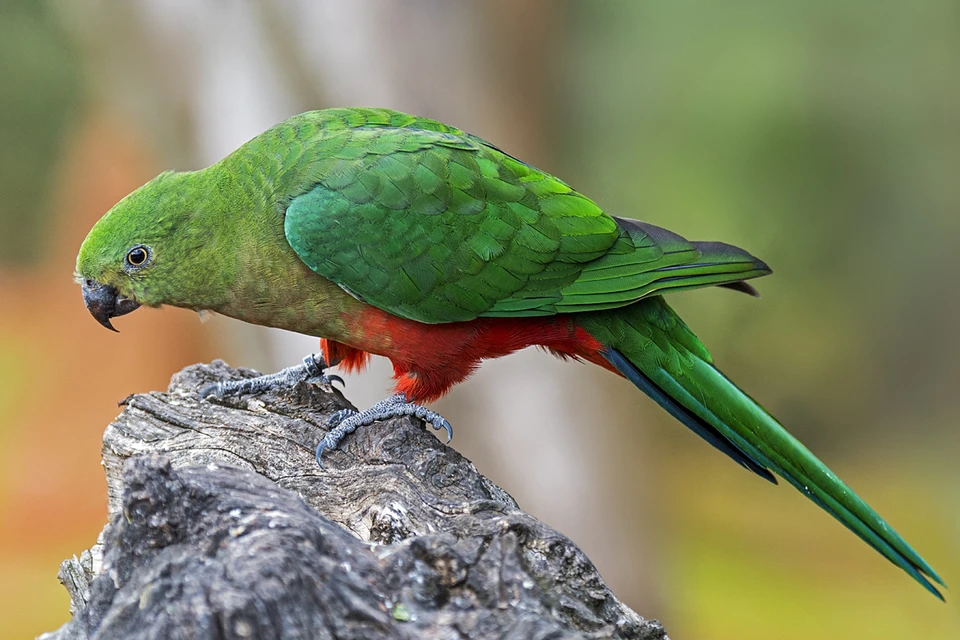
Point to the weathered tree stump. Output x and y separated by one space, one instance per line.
221 525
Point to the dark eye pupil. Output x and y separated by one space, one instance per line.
137 256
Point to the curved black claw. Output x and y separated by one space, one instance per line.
347 421
435 420
319 455
330 379
312 369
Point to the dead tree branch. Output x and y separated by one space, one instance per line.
222 526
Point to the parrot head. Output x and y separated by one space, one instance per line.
143 251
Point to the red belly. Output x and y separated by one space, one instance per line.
428 359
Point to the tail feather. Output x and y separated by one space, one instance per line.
649 344
689 419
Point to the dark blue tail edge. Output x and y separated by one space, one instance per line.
689 419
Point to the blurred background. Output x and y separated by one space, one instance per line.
822 136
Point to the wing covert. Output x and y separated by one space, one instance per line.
432 224
437 227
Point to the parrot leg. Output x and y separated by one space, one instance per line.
312 368
346 421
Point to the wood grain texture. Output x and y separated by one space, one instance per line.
222 526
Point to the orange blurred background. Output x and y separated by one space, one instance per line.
824 138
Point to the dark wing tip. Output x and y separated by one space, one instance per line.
743 287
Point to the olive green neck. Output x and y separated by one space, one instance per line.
263 280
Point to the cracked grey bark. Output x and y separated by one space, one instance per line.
222 526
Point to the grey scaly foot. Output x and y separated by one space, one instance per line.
347 420
312 368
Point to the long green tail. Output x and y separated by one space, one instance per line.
652 347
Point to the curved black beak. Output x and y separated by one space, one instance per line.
103 302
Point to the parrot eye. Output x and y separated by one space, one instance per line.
138 256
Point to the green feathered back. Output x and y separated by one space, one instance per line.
436 225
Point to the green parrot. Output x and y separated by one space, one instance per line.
384 233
